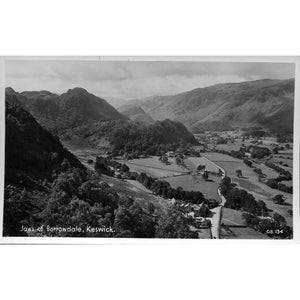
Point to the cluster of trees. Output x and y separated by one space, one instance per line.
201 167
151 139
103 164
164 189
275 183
256 152
279 199
287 138
174 225
284 174
255 133
256 213
78 199
240 199
233 153
275 226
247 162
258 171
259 152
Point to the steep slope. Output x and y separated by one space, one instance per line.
132 136
135 113
49 193
129 136
31 152
33 160
262 103
74 108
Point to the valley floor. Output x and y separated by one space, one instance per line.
226 223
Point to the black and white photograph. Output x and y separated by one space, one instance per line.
151 149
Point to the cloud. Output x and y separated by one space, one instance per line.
134 79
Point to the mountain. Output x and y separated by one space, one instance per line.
33 160
48 192
82 119
135 113
267 104
34 95
74 108
30 150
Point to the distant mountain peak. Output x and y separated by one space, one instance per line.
77 90
76 107
9 90
224 106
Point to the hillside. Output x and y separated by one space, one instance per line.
47 187
49 193
31 151
267 104
135 113
84 120
74 108
130 136
33 160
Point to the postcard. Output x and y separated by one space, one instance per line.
106 149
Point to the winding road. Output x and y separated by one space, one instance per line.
217 211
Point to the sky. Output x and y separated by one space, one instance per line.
134 79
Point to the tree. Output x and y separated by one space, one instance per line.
260 152
258 171
165 159
65 165
173 225
178 160
151 208
201 167
134 222
247 162
205 175
275 150
124 168
204 210
239 173
272 183
278 199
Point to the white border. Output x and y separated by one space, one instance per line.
50 240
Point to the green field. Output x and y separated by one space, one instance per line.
196 183
231 217
155 168
250 183
196 161
229 147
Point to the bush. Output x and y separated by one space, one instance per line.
260 152
247 162
278 199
